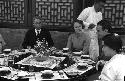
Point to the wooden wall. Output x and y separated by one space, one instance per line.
16 17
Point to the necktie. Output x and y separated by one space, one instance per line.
38 32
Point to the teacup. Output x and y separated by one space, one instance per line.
47 71
7 51
65 50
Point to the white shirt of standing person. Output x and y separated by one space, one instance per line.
114 69
90 16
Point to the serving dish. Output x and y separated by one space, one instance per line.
47 74
4 72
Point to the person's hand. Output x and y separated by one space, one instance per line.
91 26
100 63
83 52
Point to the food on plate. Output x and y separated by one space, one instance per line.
5 72
82 66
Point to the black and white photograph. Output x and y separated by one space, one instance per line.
62 40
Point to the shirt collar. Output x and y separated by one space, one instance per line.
37 30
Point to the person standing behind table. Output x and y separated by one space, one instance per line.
103 28
90 17
37 33
78 41
2 43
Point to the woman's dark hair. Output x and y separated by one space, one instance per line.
113 41
105 25
80 22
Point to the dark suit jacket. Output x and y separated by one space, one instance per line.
31 38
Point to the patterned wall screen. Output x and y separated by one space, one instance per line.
115 12
12 11
55 12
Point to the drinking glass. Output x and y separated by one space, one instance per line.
11 63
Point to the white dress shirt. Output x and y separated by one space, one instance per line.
89 16
114 69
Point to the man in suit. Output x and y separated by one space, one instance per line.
37 33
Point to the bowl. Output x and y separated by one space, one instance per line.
7 51
47 74
5 72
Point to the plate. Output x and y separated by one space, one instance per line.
85 57
82 67
22 74
73 73
65 53
77 53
